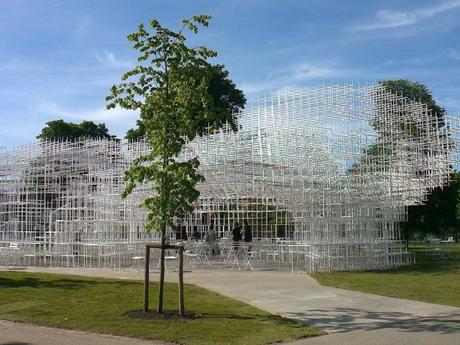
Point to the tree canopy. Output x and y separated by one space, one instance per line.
227 98
62 130
438 216
416 91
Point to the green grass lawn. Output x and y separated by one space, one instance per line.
97 305
429 280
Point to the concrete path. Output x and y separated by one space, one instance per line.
13 333
350 317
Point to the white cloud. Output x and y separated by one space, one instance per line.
295 75
387 19
117 115
450 54
82 27
108 59
307 71
17 66
453 54
257 87
410 61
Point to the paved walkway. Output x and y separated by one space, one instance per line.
349 317
13 333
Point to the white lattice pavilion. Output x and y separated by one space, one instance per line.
327 172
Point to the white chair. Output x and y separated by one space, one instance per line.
13 253
137 260
168 257
247 254
31 258
192 257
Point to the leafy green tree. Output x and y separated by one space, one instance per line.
438 215
228 99
36 191
171 88
62 130
377 154
418 92
136 133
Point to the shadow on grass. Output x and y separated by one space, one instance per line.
275 319
59 284
166 315
192 315
72 283
352 319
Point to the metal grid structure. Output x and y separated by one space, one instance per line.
323 176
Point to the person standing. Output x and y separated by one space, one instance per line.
236 232
196 233
247 232
181 231
211 241
236 235
184 232
178 231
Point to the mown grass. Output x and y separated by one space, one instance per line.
98 304
431 279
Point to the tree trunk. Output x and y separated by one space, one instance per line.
146 279
162 270
407 238
181 281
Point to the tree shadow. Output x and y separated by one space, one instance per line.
70 283
276 319
353 319
32 282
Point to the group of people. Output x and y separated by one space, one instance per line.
239 231
181 233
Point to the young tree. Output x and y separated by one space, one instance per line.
171 88
62 130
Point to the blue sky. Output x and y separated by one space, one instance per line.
58 58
